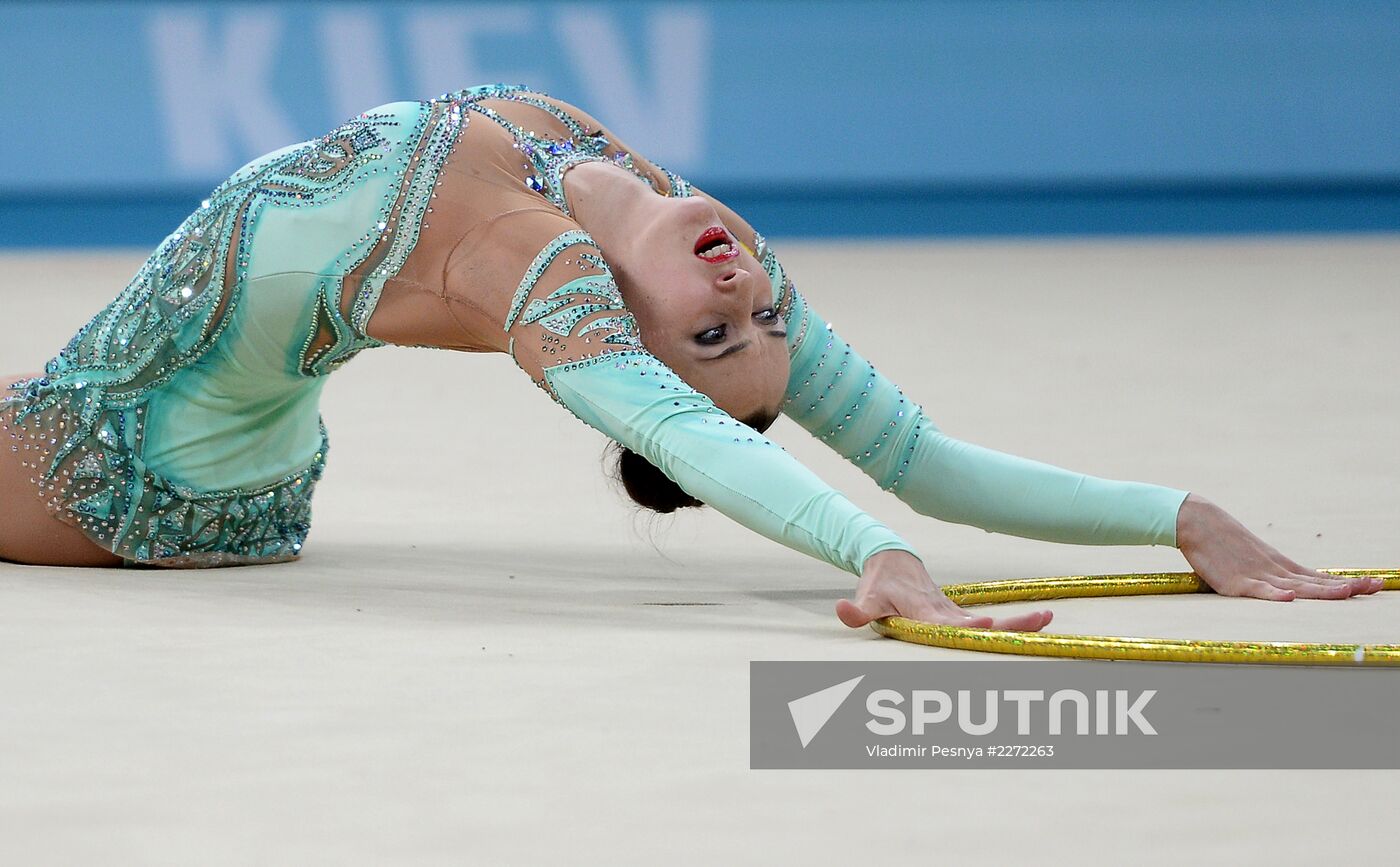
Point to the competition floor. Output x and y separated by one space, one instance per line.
481 658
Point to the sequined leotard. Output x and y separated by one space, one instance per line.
180 425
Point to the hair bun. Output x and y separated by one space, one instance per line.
648 486
652 489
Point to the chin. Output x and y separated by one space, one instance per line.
694 211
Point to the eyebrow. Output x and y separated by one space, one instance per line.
729 350
742 344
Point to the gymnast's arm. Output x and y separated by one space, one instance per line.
841 398
838 396
569 330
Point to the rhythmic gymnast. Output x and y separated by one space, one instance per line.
180 426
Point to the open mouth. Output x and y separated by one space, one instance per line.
715 245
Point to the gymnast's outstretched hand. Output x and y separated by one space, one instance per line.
896 582
1235 562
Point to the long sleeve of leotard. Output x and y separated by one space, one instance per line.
571 332
842 399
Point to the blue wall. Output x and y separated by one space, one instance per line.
980 116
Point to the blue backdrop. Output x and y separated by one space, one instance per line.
827 117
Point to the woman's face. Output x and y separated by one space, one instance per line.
705 307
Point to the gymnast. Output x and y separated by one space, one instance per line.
180 426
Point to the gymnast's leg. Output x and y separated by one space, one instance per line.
29 533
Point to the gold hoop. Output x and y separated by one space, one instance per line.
1115 647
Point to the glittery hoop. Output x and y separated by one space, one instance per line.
1115 647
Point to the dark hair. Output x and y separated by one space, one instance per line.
652 489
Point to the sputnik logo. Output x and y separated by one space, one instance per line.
811 712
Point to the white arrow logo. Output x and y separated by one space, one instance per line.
811 712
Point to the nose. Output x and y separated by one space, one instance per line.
731 280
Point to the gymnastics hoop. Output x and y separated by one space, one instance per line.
1115 647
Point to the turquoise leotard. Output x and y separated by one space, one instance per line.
180 426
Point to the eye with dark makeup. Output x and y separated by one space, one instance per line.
716 335
711 336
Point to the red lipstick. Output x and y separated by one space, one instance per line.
715 245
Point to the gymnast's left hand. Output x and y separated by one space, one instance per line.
896 583
1232 561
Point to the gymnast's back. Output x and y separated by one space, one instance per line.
181 425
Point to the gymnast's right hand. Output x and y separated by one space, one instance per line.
896 583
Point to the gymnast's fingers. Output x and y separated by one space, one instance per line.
1031 621
1311 588
1367 584
872 606
868 605
1320 580
1354 586
1027 622
933 608
859 613
937 608
1358 584
1257 588
1361 583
